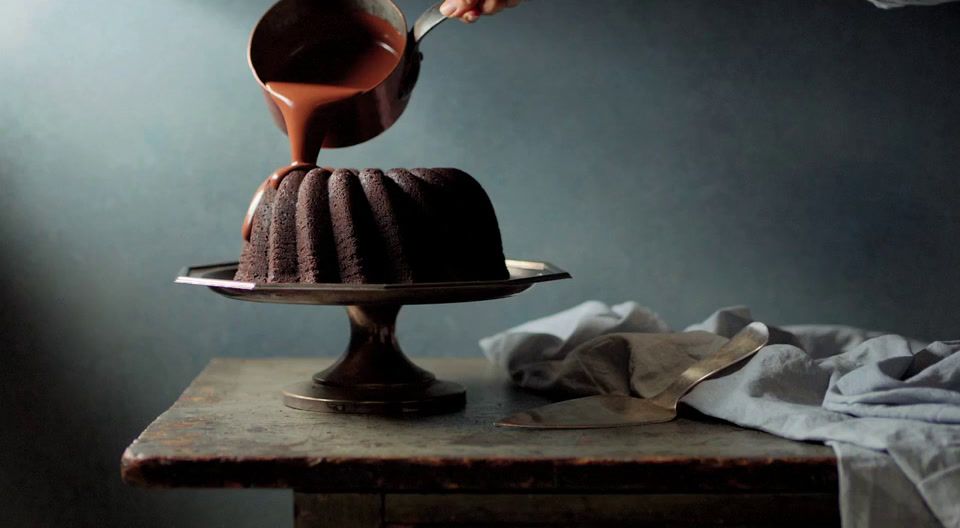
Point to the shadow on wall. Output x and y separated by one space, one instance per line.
799 157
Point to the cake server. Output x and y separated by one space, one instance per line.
610 410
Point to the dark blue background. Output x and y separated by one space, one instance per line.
800 157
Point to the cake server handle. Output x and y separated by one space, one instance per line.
744 344
430 19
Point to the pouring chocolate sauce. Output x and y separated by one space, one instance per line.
334 73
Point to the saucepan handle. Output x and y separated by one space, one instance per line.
430 19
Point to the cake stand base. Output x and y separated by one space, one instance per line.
374 376
435 398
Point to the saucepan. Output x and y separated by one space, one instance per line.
282 31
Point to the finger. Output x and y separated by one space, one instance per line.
471 16
459 7
490 7
513 3
448 7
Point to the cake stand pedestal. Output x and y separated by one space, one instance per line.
373 376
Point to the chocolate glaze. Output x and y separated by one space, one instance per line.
353 56
273 181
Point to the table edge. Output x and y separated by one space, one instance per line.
663 474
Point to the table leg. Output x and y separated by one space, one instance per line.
337 510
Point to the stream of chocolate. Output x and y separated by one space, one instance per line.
321 74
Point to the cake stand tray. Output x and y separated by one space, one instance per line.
373 376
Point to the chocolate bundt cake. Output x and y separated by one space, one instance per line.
418 225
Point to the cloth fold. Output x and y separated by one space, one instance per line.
887 4
888 405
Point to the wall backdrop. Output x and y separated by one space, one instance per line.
799 157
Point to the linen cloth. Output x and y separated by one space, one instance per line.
887 4
888 405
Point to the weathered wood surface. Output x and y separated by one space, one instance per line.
230 429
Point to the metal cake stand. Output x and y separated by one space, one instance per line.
373 376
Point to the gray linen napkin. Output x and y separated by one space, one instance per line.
887 4
886 404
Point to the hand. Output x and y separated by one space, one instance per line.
470 10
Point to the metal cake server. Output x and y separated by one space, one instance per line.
607 410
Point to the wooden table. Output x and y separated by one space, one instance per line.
230 430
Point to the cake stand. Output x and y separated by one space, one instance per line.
373 376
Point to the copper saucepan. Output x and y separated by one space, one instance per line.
282 31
